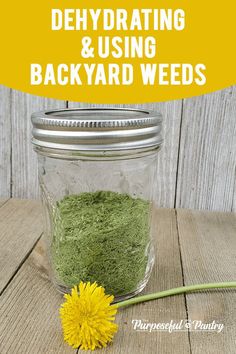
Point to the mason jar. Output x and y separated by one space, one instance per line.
97 175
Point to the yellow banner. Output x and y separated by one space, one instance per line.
119 51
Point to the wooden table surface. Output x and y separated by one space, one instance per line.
191 247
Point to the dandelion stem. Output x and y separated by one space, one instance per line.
176 291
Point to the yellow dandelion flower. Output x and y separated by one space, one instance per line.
87 317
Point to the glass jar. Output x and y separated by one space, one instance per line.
97 174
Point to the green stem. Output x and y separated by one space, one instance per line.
176 291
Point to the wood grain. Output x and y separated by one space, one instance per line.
29 312
29 306
21 226
3 201
168 156
208 249
5 142
24 160
207 158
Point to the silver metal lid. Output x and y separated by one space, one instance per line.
97 129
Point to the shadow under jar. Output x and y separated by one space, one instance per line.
97 174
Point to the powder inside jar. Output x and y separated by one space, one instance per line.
101 236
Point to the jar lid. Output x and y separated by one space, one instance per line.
97 129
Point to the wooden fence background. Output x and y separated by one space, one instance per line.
197 164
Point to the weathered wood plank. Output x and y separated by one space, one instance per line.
24 161
21 226
208 247
32 299
207 162
3 201
5 142
168 156
29 312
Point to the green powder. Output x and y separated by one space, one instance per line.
101 236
